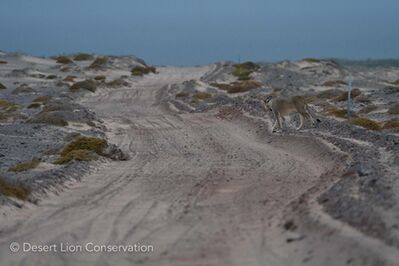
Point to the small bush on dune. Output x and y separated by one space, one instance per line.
390 124
100 78
82 148
25 166
51 77
311 60
49 119
394 109
396 82
83 57
42 99
14 190
2 87
22 89
337 112
63 60
89 85
99 62
332 83
329 94
200 95
117 83
366 123
362 98
34 105
69 78
238 86
181 94
3 62
143 70
77 155
5 104
244 70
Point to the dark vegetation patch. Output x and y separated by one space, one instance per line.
329 94
34 105
368 109
51 77
396 82
14 190
88 84
200 95
3 62
394 109
25 166
333 83
42 99
117 83
390 124
83 57
63 60
83 149
344 95
311 60
49 119
2 87
238 86
100 78
6 105
366 123
243 71
22 89
182 94
99 63
143 70
390 90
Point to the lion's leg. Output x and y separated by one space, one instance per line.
301 118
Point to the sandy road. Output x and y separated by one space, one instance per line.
201 190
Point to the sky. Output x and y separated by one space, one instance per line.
193 32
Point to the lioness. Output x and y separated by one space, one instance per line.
283 105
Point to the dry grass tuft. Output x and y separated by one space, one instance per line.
49 119
83 57
390 124
63 60
70 78
311 60
89 85
5 105
25 166
143 70
394 109
200 95
14 190
82 148
182 94
368 109
22 89
366 123
42 99
344 95
238 86
333 83
243 71
34 105
99 63
117 83
100 78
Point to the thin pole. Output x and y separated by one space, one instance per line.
349 96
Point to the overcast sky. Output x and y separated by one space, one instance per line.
189 32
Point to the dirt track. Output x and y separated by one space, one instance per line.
201 190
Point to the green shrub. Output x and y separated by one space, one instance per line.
366 123
390 124
77 155
81 148
244 70
34 105
117 83
86 85
51 77
5 104
100 78
200 95
181 94
311 60
394 109
49 119
396 82
83 57
142 70
25 166
63 60
42 99
14 190
99 62
332 83
238 86
2 87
